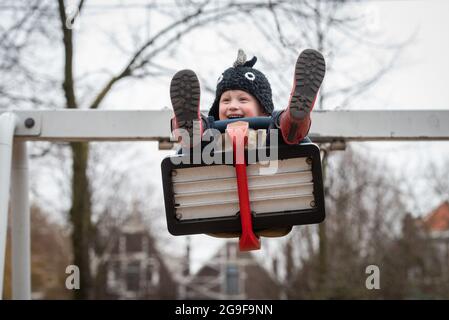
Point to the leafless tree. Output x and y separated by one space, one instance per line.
28 23
364 215
287 25
337 29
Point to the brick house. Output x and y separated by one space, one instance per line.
436 225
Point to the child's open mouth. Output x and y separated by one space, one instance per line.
235 116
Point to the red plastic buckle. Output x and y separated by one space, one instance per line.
238 132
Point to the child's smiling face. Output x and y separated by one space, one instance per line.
238 104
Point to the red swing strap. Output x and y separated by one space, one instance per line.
238 132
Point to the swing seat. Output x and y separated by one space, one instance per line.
285 189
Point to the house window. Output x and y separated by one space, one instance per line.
116 247
153 273
133 276
232 279
134 242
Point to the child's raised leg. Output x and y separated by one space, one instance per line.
309 74
185 99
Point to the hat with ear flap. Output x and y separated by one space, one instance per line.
242 76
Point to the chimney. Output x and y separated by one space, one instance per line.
186 271
275 268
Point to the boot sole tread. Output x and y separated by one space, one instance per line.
185 99
309 74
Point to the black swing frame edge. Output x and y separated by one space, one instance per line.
260 221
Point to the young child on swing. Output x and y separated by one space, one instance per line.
242 92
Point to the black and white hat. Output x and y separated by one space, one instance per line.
242 76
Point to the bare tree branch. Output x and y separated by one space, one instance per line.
203 16
359 87
68 84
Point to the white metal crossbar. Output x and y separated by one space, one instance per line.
119 125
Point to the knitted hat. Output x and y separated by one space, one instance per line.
242 76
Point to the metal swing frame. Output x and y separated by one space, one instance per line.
17 127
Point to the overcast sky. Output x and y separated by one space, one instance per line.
417 81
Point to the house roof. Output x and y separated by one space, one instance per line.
438 219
